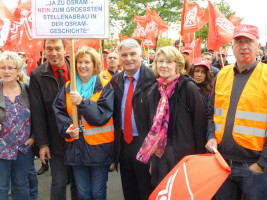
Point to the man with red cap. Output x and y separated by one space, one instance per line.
238 119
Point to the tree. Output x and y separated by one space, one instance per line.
122 12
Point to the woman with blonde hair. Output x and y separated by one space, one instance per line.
16 153
91 155
177 116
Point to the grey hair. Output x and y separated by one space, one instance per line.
12 57
130 43
207 53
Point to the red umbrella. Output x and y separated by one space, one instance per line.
194 177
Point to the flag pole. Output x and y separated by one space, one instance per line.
42 61
73 83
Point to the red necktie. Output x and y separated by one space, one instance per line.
128 132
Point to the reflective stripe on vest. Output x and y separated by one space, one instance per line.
250 123
93 135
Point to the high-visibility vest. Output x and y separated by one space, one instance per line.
108 75
250 123
93 135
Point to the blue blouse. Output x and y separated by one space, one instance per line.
16 126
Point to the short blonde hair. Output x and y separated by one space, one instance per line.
13 57
94 56
173 54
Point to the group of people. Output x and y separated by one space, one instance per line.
142 120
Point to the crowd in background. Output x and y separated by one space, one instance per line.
138 115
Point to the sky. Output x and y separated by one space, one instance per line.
253 12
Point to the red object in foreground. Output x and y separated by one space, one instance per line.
246 56
195 177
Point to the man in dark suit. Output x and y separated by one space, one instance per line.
131 120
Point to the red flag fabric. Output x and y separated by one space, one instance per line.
148 43
194 177
193 18
196 52
235 21
32 62
155 24
189 40
139 33
121 37
220 29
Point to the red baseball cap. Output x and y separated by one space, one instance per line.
201 61
106 51
246 30
186 51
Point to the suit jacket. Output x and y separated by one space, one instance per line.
139 103
42 92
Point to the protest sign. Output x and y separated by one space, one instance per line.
70 19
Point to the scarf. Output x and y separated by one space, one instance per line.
156 140
88 89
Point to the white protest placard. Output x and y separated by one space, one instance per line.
70 19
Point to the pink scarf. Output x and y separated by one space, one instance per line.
156 140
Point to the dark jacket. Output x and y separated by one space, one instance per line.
189 118
139 103
218 66
79 152
42 92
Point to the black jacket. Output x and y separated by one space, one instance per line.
79 152
189 118
42 92
139 103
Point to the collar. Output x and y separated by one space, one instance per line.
251 67
136 75
64 68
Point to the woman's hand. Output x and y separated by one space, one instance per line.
73 132
29 142
75 98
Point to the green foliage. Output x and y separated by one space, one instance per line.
163 42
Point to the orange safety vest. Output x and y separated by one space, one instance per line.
108 75
93 135
250 123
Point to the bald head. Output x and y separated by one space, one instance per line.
113 61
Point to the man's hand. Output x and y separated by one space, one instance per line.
44 154
211 143
256 168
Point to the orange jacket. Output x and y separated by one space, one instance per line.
93 135
250 123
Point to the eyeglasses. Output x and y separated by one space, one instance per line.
8 68
161 62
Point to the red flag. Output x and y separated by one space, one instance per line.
155 24
139 32
193 18
194 177
196 52
189 40
235 21
220 29
148 43
32 62
121 37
